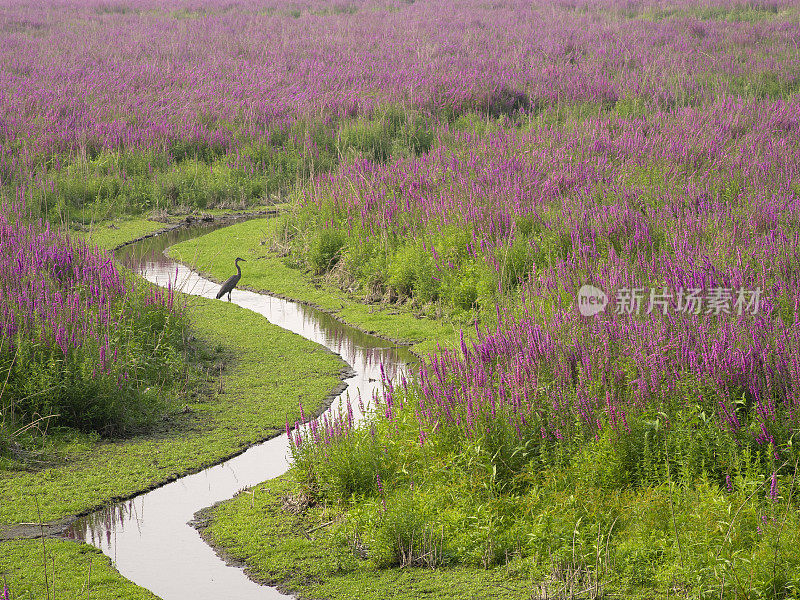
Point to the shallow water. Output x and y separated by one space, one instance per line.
149 538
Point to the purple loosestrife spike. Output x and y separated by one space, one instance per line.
773 488
380 490
298 440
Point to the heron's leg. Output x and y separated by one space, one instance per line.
229 296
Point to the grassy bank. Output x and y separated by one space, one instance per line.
573 539
256 393
115 232
309 552
73 571
111 233
84 345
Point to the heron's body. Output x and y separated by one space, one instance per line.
227 287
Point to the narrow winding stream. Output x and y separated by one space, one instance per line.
149 538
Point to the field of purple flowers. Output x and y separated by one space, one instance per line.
516 223
485 161
139 73
81 343
145 104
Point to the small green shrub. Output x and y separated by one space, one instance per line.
199 150
402 530
460 289
516 262
404 271
325 251
372 138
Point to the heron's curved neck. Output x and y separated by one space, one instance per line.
238 269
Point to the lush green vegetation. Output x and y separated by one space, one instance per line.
241 387
284 540
569 535
637 511
199 176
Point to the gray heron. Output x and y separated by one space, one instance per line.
227 287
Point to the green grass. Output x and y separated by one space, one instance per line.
112 233
214 253
73 571
254 527
652 542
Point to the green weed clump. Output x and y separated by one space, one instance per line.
388 133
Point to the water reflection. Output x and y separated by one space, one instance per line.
148 537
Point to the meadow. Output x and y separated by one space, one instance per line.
146 105
476 163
